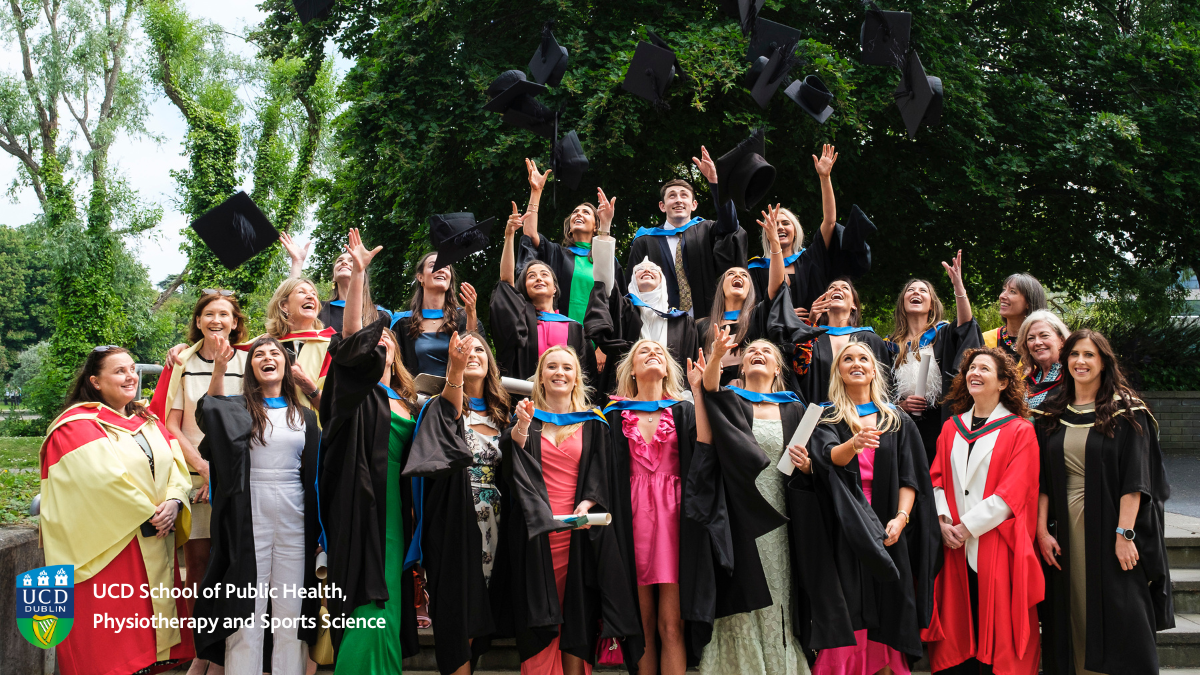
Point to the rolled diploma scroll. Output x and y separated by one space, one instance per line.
589 519
519 387
604 257
923 375
812 417
322 565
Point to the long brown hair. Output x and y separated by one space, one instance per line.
900 319
566 240
495 396
369 313
236 336
520 286
1012 396
400 380
717 314
450 304
252 391
82 390
1114 395
856 313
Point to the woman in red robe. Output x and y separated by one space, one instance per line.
985 480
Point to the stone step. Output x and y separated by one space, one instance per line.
1179 647
1183 542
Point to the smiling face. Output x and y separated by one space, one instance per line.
435 283
650 362
856 367
269 363
841 296
678 203
217 319
736 283
786 229
1084 362
539 282
758 359
582 223
1012 302
343 268
389 344
302 305
558 374
1044 344
917 299
648 278
116 380
477 359
983 378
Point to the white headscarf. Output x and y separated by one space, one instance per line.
654 327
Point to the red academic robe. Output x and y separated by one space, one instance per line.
1010 579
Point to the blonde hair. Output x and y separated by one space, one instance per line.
627 383
1056 324
579 393
369 314
797 242
778 383
888 418
277 323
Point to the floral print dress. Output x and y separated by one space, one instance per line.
483 470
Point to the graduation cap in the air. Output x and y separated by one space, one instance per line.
661 43
513 95
456 236
549 62
568 161
773 72
884 37
769 36
236 230
745 11
650 73
919 96
853 253
311 9
812 96
743 173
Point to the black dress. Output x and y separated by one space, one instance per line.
402 327
227 429
844 584
332 312
1124 609
812 364
353 479
515 325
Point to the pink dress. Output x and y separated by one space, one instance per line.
867 657
655 490
560 469
551 334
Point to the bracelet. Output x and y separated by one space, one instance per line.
523 433
905 515
313 393
964 295
531 208
780 251
454 386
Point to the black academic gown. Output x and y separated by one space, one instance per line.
709 249
1124 609
452 544
331 314
813 383
734 461
601 583
515 323
697 575
613 323
562 262
227 428
402 328
844 584
949 345
353 480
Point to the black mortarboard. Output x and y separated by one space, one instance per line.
236 230
884 37
568 161
549 62
919 96
774 71
745 11
507 87
311 9
812 96
531 114
769 36
456 236
650 73
659 42
743 173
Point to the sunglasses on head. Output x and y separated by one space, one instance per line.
105 348
217 291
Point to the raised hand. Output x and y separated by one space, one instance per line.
537 181
359 254
707 167
868 437
225 353
824 165
295 253
770 225
515 221
468 297
819 306
723 344
605 210
457 353
954 271
524 418
695 370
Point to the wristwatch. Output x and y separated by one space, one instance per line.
1128 534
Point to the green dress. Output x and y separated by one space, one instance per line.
377 650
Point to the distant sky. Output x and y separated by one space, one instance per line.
145 163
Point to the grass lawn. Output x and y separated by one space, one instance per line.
18 489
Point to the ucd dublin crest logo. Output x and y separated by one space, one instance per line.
46 604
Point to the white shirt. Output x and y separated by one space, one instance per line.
283 445
197 373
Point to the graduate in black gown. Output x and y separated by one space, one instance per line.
864 482
692 252
439 307
574 260
840 312
366 388
457 448
920 333
230 433
1100 520
525 314
569 587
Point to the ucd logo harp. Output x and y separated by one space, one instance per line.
46 604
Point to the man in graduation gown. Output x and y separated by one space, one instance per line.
692 252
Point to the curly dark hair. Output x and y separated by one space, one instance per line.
1114 395
1012 396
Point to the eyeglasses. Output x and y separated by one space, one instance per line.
105 348
217 291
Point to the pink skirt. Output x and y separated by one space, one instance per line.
865 658
656 499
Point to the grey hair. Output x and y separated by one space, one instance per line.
1030 289
1027 325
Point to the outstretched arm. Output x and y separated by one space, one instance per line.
537 182
961 304
508 261
824 167
775 273
295 253
712 370
453 390
695 372
361 260
727 222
